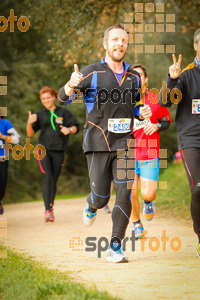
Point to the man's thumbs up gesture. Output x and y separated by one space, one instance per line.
76 77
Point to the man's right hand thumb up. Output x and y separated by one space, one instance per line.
76 68
76 77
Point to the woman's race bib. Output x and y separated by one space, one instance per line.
138 124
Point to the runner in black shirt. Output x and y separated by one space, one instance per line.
56 124
188 123
110 89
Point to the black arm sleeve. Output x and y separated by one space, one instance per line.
70 120
164 125
36 124
171 84
64 99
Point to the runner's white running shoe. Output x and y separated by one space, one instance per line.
116 256
88 216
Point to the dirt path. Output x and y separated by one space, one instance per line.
148 275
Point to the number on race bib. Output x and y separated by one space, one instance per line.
119 125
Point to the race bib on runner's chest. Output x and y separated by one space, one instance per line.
119 125
195 106
138 124
59 120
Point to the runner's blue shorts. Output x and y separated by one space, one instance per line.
148 169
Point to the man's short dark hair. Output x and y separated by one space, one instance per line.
141 67
117 26
197 36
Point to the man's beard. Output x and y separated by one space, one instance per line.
114 58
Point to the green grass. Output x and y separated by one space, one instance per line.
177 196
22 278
59 197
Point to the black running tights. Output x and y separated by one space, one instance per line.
191 159
102 168
51 166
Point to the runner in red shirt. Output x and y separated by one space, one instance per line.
147 145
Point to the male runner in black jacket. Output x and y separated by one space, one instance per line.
188 123
110 89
